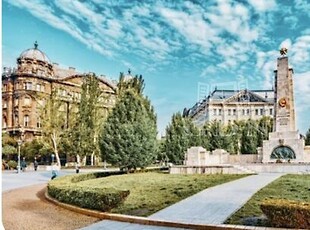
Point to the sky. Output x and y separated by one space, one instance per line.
183 49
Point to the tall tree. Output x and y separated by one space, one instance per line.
307 140
249 138
232 138
53 122
214 132
263 129
128 137
181 134
86 130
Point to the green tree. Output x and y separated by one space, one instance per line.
35 148
9 145
232 138
53 122
214 132
307 140
264 128
86 130
249 137
181 134
128 137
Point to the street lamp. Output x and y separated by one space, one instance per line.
19 142
53 158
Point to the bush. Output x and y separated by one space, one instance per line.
287 213
12 164
66 189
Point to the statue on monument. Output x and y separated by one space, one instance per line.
283 51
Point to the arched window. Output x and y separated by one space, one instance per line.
16 122
26 120
39 125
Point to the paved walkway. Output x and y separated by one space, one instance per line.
210 206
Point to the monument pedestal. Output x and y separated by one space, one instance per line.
283 146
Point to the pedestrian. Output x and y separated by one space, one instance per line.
23 165
54 171
35 164
77 167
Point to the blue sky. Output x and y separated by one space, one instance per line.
183 49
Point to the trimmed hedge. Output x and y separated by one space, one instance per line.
66 189
287 213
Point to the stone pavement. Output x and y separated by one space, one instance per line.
210 206
113 225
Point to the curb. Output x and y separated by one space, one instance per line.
147 221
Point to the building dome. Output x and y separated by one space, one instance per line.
35 54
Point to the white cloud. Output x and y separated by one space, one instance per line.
266 64
300 52
263 5
191 26
287 43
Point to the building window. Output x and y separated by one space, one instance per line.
220 112
234 112
248 111
39 122
26 120
261 111
28 85
16 120
270 111
214 112
243 112
27 101
256 111
229 112
17 85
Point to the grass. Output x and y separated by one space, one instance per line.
151 192
291 187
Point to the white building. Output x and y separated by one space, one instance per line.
229 105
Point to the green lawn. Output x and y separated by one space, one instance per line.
151 192
292 187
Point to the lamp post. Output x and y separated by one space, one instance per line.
19 142
53 158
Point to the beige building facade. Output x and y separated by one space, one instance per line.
228 106
35 77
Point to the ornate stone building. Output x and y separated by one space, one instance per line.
229 105
35 78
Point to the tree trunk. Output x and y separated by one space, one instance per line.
54 140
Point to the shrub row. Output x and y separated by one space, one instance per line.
66 189
287 213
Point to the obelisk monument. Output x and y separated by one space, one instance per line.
284 144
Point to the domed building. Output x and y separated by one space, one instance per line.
35 61
25 87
